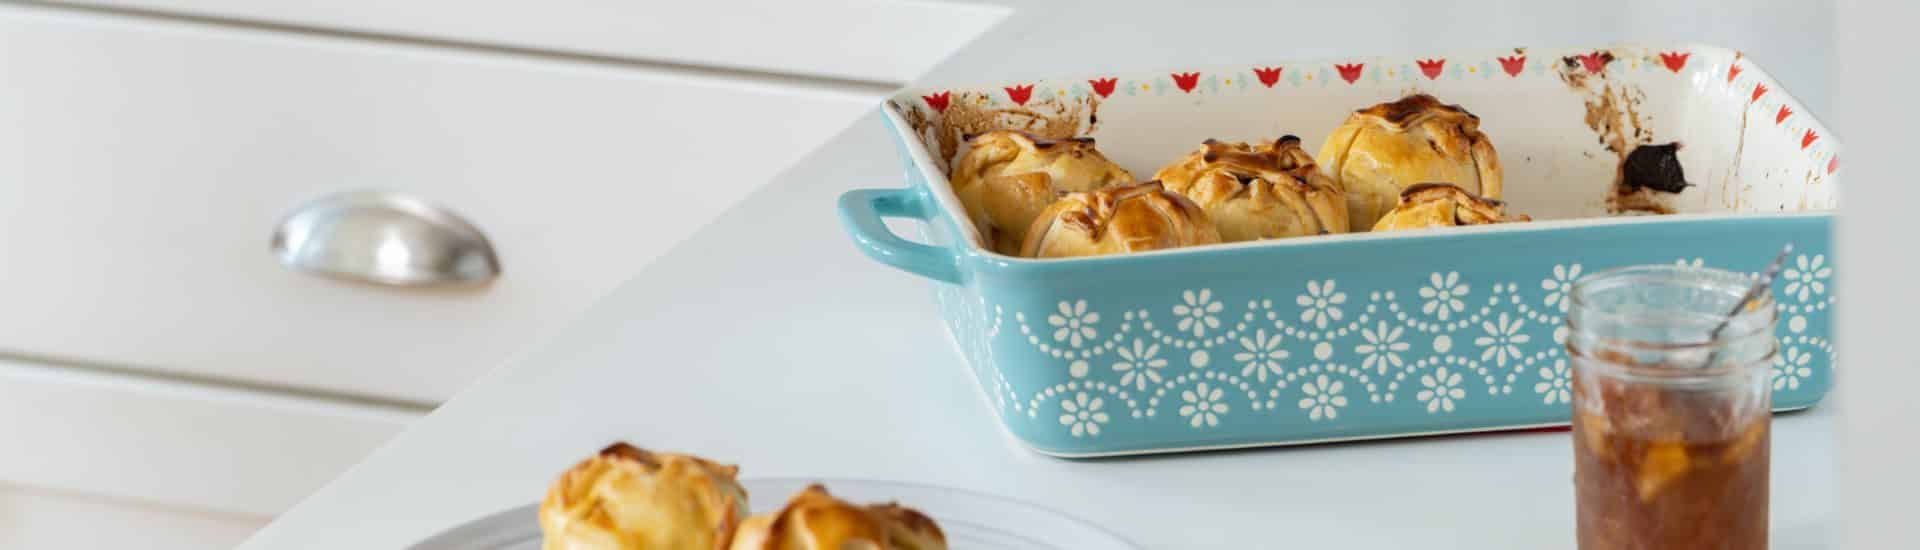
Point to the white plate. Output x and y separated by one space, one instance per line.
971 521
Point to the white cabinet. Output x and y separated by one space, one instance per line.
33 518
197 445
870 40
152 350
145 163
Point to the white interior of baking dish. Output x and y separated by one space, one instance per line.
1747 147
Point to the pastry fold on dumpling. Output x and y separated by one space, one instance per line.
1118 220
628 498
1265 191
1006 178
1382 149
815 520
1424 205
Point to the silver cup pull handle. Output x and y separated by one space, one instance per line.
386 239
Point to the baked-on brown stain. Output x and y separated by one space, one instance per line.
972 113
1613 113
1573 62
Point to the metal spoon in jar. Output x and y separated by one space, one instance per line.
1760 287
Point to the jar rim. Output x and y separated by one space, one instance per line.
1760 314
1578 297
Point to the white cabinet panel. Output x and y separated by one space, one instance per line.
144 163
873 40
178 443
32 518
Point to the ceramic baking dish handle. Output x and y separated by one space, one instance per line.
861 212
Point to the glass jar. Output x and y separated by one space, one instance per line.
1670 419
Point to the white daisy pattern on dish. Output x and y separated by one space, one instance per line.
1197 313
1082 415
1790 368
1560 287
1073 324
1503 339
1807 278
1693 262
1323 400
1321 304
1442 389
1382 347
1261 355
1139 365
1203 406
1443 295
1553 386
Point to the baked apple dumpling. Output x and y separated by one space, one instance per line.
1006 178
1424 205
1118 220
1265 191
816 520
1382 149
628 498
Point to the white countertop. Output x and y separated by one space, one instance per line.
804 358
767 340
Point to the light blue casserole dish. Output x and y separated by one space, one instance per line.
1359 336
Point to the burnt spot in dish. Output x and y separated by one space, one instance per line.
1647 180
1655 167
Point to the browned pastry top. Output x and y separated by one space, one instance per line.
1006 178
1452 131
815 520
1408 111
1384 148
628 498
1424 205
1075 164
1116 220
1265 191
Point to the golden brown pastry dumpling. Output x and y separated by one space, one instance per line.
1006 178
815 520
627 498
1424 205
1118 220
1252 192
1382 149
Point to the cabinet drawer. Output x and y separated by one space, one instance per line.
145 163
872 40
179 443
36 518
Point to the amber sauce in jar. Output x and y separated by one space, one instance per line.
1669 452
